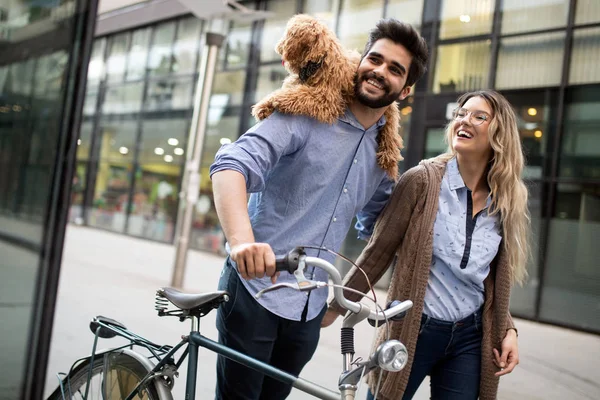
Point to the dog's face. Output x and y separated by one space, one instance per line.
305 44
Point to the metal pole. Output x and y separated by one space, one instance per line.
191 184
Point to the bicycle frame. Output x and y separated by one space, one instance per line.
195 340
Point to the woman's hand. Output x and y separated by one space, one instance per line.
508 360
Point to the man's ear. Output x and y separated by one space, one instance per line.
404 93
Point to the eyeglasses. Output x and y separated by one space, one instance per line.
475 117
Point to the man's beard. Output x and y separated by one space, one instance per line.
384 100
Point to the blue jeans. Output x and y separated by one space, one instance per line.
246 326
450 353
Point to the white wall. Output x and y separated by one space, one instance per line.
110 5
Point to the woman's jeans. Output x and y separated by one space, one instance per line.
450 353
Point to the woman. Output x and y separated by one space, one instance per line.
458 224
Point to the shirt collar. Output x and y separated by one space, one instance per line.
455 181
349 118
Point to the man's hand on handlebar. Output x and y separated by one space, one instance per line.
254 260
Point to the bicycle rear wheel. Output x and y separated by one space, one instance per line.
114 376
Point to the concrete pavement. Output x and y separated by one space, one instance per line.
116 276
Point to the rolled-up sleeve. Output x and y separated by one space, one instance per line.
368 215
257 151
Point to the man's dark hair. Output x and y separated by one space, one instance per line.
405 35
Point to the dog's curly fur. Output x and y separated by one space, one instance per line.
321 84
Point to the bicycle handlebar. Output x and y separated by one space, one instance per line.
292 261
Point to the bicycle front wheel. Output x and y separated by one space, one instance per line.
114 376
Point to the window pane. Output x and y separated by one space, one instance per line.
91 98
164 141
274 27
530 61
84 141
462 67
587 11
170 94
96 65
161 53
49 75
571 290
123 99
585 56
533 15
138 54
435 143
186 45
466 18
270 78
154 208
109 206
322 9
536 112
117 54
580 150
230 85
238 44
409 11
357 18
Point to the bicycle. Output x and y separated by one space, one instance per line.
124 374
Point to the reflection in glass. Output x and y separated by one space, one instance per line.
161 53
20 79
154 206
164 140
466 18
587 11
275 26
530 61
136 58
169 94
270 78
571 290
462 67
409 11
357 18
91 97
585 56
533 15
123 99
580 150
117 56
50 74
96 65
186 45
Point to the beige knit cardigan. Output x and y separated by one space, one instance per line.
414 204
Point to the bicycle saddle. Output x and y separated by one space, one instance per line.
188 301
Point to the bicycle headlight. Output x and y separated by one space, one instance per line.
392 356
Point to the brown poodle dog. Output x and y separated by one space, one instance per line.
321 84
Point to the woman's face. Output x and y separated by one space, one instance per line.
470 131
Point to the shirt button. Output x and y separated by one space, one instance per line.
345 190
334 219
355 161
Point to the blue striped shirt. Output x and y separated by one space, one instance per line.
463 248
307 181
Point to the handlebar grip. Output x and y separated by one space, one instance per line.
290 261
397 317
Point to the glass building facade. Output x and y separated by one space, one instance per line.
542 55
44 49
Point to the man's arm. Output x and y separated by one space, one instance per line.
254 260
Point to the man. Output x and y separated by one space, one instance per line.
307 181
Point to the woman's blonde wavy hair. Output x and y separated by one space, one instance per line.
507 190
